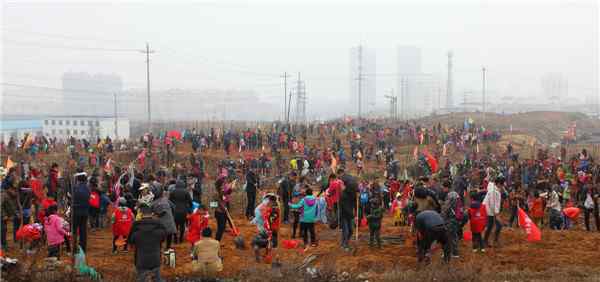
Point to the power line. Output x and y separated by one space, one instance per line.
79 48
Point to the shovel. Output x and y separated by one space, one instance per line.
238 240
269 255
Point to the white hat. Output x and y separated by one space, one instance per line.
144 186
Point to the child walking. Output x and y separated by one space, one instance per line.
478 219
308 206
122 220
374 219
55 232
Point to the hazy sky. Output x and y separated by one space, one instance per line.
249 44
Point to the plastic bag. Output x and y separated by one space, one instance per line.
83 268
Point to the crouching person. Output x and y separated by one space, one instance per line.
260 241
206 260
431 228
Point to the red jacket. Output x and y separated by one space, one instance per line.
478 218
198 222
333 192
123 221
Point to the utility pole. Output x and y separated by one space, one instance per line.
449 100
116 122
393 104
285 76
290 103
483 91
148 52
360 78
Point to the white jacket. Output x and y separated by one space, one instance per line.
492 200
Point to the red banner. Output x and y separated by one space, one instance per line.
533 232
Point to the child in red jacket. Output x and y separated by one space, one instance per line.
122 220
478 219
198 221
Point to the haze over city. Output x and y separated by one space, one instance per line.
244 47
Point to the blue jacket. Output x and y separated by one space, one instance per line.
309 209
81 199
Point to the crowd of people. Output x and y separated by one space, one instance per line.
343 174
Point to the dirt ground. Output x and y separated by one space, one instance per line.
558 249
572 249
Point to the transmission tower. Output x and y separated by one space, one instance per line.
393 104
300 101
359 78
449 100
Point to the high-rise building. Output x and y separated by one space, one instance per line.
555 87
85 94
363 68
409 80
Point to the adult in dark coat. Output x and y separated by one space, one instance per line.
285 193
347 206
252 183
81 207
183 206
431 228
146 235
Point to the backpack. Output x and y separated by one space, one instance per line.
364 197
94 200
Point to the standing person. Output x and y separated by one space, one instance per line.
478 218
492 202
431 228
163 209
8 210
198 221
55 231
451 217
347 206
53 181
308 204
147 235
285 193
515 197
374 219
252 183
220 211
81 208
122 220
590 207
94 204
556 221
182 200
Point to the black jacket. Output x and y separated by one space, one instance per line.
285 189
146 235
428 220
182 200
81 199
348 196
252 182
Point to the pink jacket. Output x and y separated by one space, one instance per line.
55 233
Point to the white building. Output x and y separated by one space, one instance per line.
19 128
63 127
88 127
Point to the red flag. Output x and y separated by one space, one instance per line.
533 232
